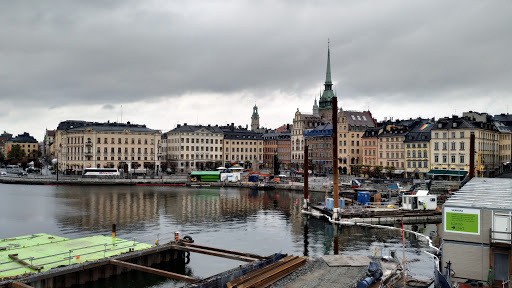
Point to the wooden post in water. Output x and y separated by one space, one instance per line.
472 155
113 230
334 103
306 174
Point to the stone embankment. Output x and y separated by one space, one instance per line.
74 180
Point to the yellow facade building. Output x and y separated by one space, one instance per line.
80 144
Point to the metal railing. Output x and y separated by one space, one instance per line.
502 240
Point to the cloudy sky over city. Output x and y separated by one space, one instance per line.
209 62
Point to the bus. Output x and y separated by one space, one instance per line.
98 172
13 169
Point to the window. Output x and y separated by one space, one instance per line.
445 134
436 158
445 145
105 141
436 146
436 135
461 145
461 134
461 158
444 158
453 158
425 155
453 146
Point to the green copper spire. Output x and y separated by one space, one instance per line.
328 74
255 112
325 99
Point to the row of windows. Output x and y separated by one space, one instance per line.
452 158
425 154
452 144
393 155
112 150
203 141
113 141
241 157
413 145
417 164
445 135
272 150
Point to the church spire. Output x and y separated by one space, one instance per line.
328 82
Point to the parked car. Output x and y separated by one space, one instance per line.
22 173
3 173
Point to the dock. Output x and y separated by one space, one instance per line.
45 261
383 216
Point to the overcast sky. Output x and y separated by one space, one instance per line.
209 62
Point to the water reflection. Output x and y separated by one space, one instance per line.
261 222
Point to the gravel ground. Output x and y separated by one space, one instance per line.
316 273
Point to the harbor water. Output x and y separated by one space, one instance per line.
260 222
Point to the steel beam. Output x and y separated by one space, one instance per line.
154 271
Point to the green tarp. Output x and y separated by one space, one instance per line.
441 172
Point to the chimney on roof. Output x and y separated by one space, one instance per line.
184 124
287 126
178 126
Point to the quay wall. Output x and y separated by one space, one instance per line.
80 274
93 181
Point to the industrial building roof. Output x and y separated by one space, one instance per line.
484 193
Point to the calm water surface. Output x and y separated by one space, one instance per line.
261 222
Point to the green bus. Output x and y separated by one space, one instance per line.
205 176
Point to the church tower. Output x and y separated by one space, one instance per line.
315 109
325 109
255 119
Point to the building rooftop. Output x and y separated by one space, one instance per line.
239 133
320 130
194 128
359 118
79 125
421 131
23 138
485 193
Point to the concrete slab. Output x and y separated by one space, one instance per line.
346 260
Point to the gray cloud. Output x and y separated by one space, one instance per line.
65 53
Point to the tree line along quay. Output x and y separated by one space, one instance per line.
411 148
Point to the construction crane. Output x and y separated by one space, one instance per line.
479 164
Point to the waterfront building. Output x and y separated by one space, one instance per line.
417 149
505 144
27 143
242 146
391 145
450 140
351 128
49 137
81 144
476 233
3 139
189 148
255 118
319 140
277 144
301 122
370 147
